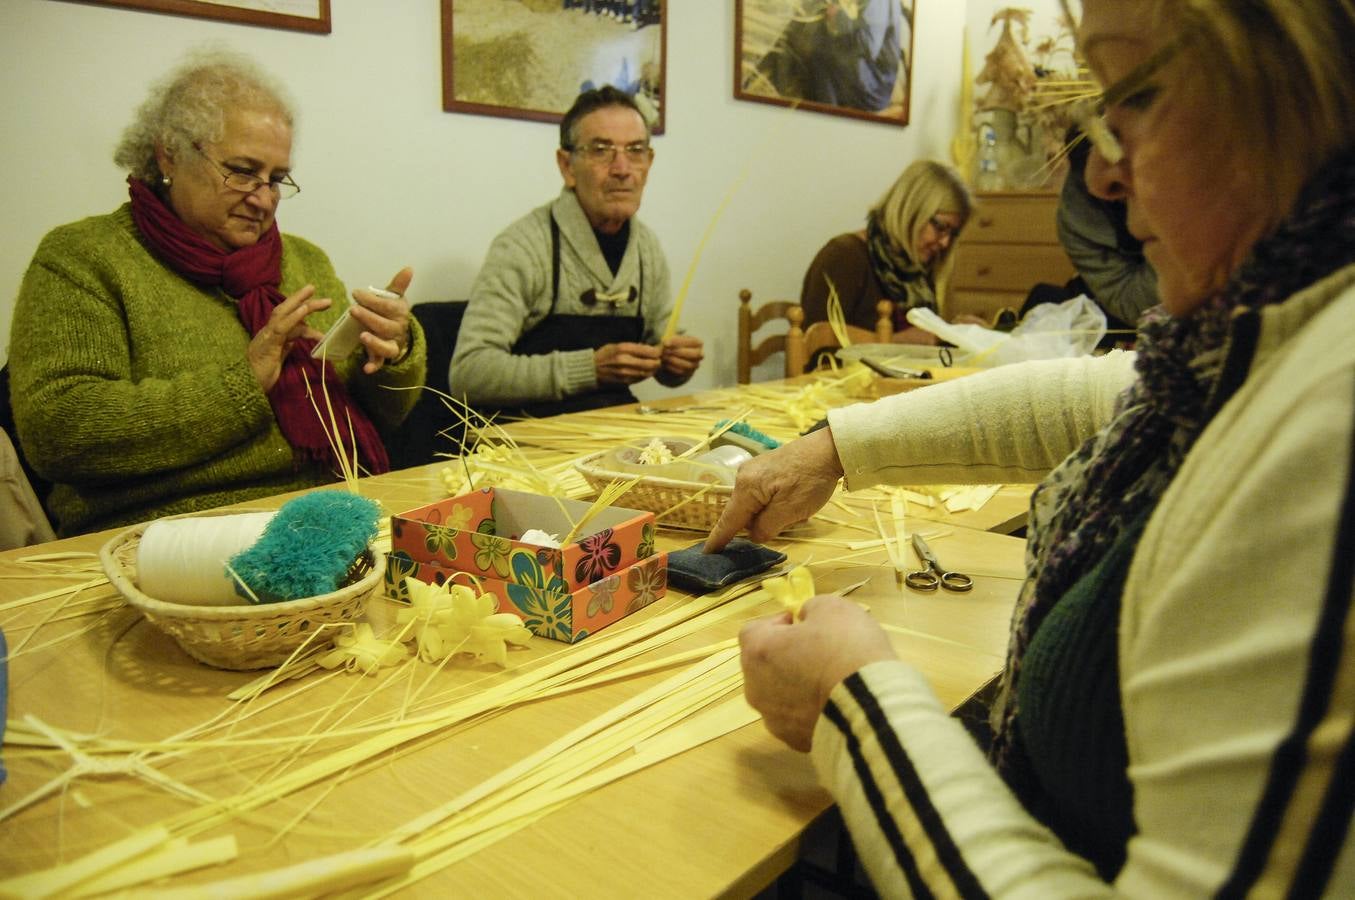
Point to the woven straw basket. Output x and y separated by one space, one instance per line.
237 637
701 503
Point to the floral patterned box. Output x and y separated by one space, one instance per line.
566 593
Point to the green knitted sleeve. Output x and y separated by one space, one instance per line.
120 367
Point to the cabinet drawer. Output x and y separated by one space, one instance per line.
1013 218
1009 267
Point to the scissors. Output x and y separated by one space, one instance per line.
891 372
933 576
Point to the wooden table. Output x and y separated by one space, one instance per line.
724 818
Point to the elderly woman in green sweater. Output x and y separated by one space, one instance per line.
161 355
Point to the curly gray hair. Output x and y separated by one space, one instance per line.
188 107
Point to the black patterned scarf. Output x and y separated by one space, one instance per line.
1080 510
903 281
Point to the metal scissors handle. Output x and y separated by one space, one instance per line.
933 576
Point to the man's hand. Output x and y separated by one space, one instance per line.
625 363
790 668
778 489
680 355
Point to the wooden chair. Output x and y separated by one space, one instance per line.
803 344
749 322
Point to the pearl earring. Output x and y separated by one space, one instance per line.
166 180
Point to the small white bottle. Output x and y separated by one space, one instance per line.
989 175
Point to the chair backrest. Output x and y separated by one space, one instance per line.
431 428
749 322
23 494
804 344
23 521
41 486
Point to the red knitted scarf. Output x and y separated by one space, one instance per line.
251 275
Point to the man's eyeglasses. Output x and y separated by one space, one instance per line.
943 230
603 153
248 182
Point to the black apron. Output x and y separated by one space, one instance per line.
560 331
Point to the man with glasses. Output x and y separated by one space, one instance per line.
570 306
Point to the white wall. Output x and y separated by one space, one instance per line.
391 180
1045 21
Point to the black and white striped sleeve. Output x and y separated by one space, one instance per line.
928 814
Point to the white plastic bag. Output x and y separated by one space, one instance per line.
1049 331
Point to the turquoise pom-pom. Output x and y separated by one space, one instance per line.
307 547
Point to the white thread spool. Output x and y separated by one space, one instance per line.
184 560
720 463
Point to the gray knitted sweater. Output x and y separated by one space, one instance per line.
512 294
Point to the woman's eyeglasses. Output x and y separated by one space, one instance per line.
1090 115
248 182
943 229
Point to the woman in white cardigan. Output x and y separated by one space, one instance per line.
1178 712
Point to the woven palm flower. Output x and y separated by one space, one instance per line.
454 618
791 590
360 650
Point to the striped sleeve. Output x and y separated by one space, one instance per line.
928 815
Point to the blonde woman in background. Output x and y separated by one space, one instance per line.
902 255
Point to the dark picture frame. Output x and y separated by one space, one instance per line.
842 57
529 59
303 15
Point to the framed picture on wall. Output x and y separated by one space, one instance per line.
299 15
844 57
529 59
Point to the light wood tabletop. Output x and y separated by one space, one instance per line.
723 818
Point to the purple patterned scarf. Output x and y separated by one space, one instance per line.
1082 507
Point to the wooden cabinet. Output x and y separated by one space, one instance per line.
1008 247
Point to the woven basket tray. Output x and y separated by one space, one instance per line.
237 637
701 509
